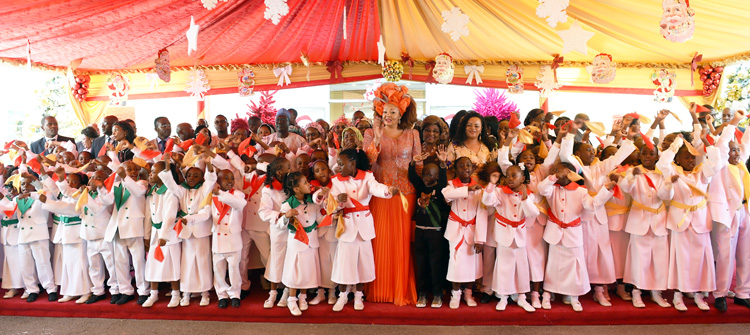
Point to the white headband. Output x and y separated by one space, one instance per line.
263 166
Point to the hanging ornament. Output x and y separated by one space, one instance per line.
711 78
275 9
443 69
393 70
120 86
665 85
514 79
210 4
381 51
197 84
283 74
408 61
79 87
162 65
455 23
575 38
246 79
677 20
553 10
602 69
545 81
192 36
493 102
370 91
335 68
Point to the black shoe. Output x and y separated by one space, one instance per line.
115 298
486 298
141 299
94 298
32 297
737 301
721 304
52 296
223 303
235 302
244 294
125 298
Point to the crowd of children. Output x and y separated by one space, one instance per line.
552 215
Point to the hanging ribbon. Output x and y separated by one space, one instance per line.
407 60
429 66
381 53
283 74
473 71
694 66
28 54
335 68
555 64
306 62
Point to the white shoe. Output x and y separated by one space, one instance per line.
455 299
535 300
83 298
678 303
302 299
469 298
702 305
24 295
637 301
359 304
152 299
205 300
600 298
284 297
525 304
331 296
320 297
341 302
730 294
65 298
271 299
185 301
576 304
10 294
659 300
545 300
291 303
174 301
502 303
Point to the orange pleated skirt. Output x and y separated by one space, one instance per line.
394 271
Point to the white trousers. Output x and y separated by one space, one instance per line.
262 242
125 249
35 255
223 262
100 254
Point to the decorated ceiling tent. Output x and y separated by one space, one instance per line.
151 49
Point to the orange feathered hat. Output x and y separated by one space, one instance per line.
390 93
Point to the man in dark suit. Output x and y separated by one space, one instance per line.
106 137
49 125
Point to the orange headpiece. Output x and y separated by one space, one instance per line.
390 93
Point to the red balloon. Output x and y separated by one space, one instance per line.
81 91
719 69
713 87
85 85
703 77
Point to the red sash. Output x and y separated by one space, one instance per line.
463 223
563 225
358 207
503 221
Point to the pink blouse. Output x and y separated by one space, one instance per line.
390 162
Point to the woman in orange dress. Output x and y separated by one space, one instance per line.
390 145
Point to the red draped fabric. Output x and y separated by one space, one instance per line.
124 34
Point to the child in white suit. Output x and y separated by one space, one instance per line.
466 231
514 206
165 251
127 228
354 263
